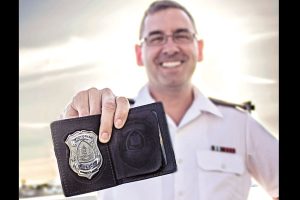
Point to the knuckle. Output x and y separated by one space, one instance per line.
78 96
106 91
81 93
109 105
122 100
82 108
92 89
84 112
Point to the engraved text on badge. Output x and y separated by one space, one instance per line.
85 157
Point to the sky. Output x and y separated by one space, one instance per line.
70 45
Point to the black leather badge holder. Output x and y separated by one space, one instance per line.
142 149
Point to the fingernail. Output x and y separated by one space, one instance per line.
119 123
104 137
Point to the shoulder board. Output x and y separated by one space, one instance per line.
248 106
131 101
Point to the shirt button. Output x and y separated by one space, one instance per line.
180 193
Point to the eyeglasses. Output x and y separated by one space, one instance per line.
158 39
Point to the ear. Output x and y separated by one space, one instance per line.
138 55
200 50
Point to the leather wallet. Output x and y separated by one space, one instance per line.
140 150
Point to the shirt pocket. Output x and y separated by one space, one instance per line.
220 162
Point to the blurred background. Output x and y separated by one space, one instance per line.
66 46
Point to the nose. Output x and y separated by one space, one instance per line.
170 47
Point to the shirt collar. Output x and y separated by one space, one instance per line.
201 102
143 97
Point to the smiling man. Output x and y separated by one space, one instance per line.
170 51
218 148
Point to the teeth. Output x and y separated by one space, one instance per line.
171 64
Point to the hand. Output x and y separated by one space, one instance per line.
113 110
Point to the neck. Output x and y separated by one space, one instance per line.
176 101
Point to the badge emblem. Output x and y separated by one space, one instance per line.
85 157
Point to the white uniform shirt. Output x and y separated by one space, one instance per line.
204 174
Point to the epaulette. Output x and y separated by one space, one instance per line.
248 106
131 101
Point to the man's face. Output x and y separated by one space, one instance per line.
170 64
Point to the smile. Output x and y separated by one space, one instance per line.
171 64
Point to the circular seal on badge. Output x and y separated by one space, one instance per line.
85 157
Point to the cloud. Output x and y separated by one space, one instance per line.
41 77
255 79
77 51
33 125
262 36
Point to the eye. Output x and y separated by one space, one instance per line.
155 39
183 37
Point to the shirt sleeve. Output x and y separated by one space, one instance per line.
262 156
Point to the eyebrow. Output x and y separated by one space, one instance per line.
181 30
155 32
176 31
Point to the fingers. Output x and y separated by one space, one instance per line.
114 110
69 112
121 113
87 102
81 103
107 115
94 101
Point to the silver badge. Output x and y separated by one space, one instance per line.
85 157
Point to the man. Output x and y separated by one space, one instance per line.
169 50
